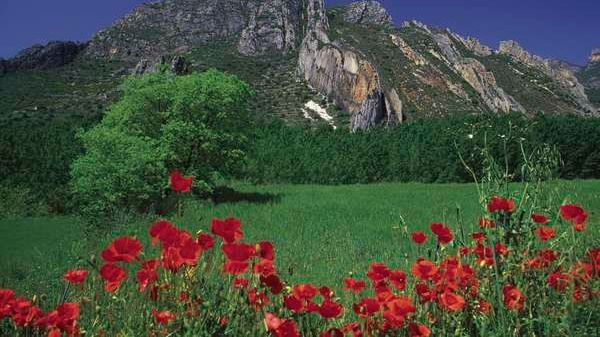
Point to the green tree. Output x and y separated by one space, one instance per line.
196 124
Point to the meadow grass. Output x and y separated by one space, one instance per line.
321 233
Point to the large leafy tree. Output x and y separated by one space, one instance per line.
195 123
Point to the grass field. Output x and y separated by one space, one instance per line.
321 233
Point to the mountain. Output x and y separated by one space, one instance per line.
347 66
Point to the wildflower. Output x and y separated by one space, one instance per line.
366 307
558 281
484 307
500 204
424 269
418 330
6 296
228 229
418 237
486 223
425 293
451 301
355 286
574 214
205 241
147 274
113 275
75 276
163 231
332 332
125 249
265 250
240 283
545 233
179 183
330 309
513 297
239 252
273 282
163 317
540 219
398 279
279 327
378 271
305 291
443 233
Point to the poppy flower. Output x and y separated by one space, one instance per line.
513 297
486 223
147 275
478 237
264 268
76 276
6 296
330 309
163 317
398 279
366 307
113 275
424 269
24 312
279 327
484 307
451 301
500 204
540 219
574 214
228 229
179 183
425 293
355 286
293 304
265 250
396 311
257 299
190 251
443 233
418 237
240 252
235 267
545 233
558 281
165 232
273 282
122 249
332 332
378 271
205 241
501 249
305 291
418 330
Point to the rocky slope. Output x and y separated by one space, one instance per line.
343 66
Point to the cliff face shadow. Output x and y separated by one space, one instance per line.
224 194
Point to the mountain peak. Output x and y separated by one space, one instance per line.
367 12
595 56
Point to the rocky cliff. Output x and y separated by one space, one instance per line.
595 57
53 54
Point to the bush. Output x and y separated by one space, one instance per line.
194 123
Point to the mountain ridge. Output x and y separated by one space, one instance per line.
348 59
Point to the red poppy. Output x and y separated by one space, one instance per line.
451 301
332 332
279 327
558 281
147 274
540 219
6 296
265 250
125 249
293 304
235 267
366 307
486 223
113 275
165 232
76 276
418 330
305 291
330 309
355 286
513 297
398 279
424 269
163 317
574 214
501 249
378 271
273 283
228 229
418 237
443 233
24 313
545 233
257 299
179 183
478 237
484 307
500 204
425 293
396 311
205 241
264 268
240 252
190 251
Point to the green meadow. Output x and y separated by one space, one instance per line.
321 233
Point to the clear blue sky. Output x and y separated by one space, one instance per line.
564 29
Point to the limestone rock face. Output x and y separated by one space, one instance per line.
341 74
473 44
52 55
177 65
367 12
477 76
595 57
272 25
558 71
169 26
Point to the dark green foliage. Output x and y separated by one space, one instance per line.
425 150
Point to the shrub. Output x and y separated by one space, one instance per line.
195 123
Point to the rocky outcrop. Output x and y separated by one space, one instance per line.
52 55
368 13
477 76
408 51
472 44
343 75
177 65
555 70
160 28
595 57
272 25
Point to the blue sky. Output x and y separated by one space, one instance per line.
564 29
